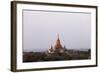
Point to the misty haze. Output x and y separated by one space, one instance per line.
40 29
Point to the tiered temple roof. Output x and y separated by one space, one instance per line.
57 47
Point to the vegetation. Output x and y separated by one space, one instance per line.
68 55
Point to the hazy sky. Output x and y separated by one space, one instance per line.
40 29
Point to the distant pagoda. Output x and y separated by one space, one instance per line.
58 48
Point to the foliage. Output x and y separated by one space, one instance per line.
42 56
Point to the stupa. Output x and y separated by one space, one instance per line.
58 48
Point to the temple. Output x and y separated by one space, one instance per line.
58 48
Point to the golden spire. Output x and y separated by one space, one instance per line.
58 44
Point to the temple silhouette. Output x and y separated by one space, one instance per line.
57 48
57 51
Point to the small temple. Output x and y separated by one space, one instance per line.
57 48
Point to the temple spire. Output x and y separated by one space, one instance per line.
58 44
58 40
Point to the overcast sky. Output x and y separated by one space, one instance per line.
40 29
